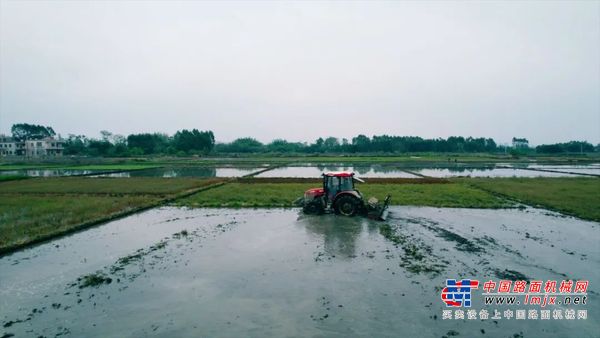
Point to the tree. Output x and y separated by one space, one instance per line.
243 145
99 148
283 146
106 135
331 144
25 131
361 143
149 143
186 140
549 149
75 145
569 147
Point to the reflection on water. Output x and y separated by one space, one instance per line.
339 234
487 172
317 170
49 172
590 169
185 172
406 172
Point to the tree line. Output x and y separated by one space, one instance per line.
363 144
184 142
399 144
195 142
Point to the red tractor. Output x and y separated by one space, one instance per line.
338 194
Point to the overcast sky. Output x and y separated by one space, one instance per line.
300 70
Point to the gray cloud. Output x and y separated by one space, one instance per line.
300 70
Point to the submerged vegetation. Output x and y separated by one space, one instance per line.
93 280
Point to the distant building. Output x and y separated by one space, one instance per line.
520 142
9 147
48 146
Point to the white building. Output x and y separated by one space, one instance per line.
31 148
9 147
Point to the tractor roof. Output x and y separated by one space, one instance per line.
339 174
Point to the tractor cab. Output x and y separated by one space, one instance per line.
335 183
340 195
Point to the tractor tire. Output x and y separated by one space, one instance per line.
346 205
314 208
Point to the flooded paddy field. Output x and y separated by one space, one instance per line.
274 272
198 171
416 171
50 172
306 171
590 169
487 172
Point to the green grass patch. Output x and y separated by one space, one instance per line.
5 167
573 196
248 195
27 218
39 208
6 178
284 194
109 167
104 185
452 195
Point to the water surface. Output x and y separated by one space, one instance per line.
170 172
257 273
316 171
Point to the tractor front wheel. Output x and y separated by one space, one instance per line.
314 207
346 205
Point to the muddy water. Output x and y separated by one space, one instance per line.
256 273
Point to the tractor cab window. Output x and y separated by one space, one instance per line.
332 186
346 184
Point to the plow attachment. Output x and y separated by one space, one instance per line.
378 211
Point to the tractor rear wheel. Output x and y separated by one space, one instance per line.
346 205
